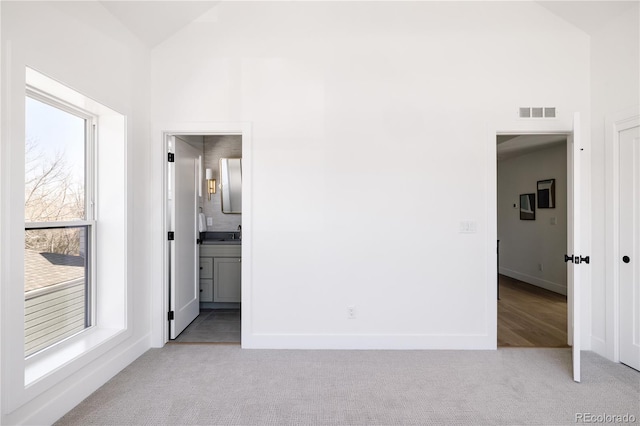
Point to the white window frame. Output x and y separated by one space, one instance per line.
89 221
25 379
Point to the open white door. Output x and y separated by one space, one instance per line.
628 263
184 175
574 259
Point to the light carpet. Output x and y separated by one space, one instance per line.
227 385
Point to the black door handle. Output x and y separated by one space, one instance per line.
568 258
626 259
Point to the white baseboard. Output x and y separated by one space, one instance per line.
369 342
599 346
538 282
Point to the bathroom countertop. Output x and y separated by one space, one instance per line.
221 237
223 242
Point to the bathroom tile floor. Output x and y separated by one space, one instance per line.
213 326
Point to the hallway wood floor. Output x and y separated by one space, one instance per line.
530 316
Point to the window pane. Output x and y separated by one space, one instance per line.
56 285
54 164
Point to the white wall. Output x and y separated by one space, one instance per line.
353 107
615 87
370 146
524 244
84 47
3 275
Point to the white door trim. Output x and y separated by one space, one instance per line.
574 243
521 128
613 126
159 255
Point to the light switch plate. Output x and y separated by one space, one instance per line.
468 227
209 221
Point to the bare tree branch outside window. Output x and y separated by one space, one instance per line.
52 193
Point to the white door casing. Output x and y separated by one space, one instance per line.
184 257
161 215
628 262
609 344
574 223
574 248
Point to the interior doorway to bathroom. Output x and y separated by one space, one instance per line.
204 248
219 233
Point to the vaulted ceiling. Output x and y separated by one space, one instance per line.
589 16
155 21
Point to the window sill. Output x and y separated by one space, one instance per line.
90 343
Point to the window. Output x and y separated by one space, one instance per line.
63 310
59 220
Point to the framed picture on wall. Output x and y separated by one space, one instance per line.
527 206
547 194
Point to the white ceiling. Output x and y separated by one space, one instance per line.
510 146
155 21
589 16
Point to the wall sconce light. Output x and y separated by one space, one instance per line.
211 183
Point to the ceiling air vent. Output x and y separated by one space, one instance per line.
537 112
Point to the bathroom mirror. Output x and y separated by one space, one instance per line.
231 185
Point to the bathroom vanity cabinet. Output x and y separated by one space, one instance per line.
220 273
226 279
206 279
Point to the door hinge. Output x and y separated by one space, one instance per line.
171 235
576 259
170 315
171 157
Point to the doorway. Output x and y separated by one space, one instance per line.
193 131
532 213
217 221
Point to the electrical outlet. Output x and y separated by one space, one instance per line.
540 267
351 312
209 221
